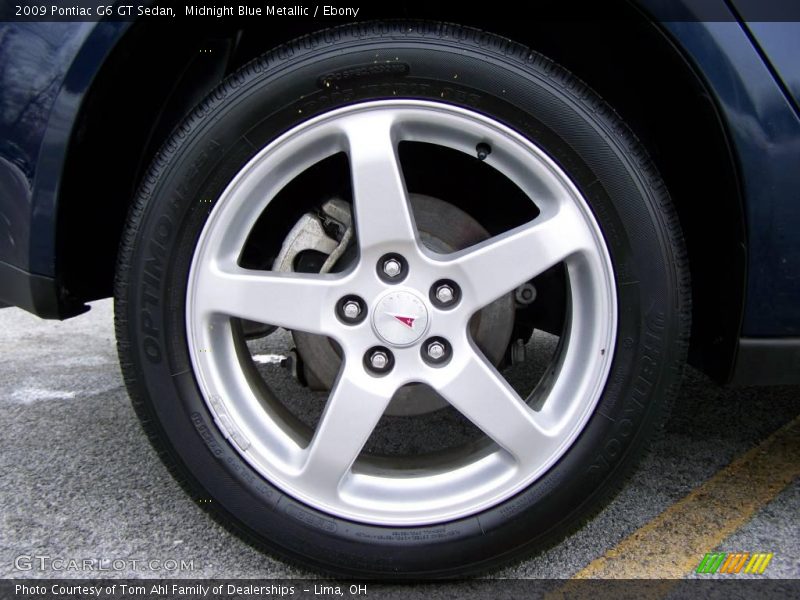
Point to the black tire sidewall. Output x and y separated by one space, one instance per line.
533 97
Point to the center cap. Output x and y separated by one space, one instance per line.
400 318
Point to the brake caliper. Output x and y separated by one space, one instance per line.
328 232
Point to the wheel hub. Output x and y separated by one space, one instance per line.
443 228
400 318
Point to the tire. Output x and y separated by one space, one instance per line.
626 301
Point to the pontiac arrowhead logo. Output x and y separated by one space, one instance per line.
407 321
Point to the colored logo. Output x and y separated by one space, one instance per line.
407 321
733 563
400 318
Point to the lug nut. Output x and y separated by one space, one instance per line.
436 350
351 310
379 360
392 267
445 294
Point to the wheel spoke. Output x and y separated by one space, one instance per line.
481 394
498 265
353 410
382 211
294 301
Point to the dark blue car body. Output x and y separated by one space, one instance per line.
55 76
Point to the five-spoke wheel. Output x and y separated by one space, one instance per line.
402 300
401 315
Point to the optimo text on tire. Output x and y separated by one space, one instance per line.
402 300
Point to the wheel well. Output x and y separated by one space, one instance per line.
157 74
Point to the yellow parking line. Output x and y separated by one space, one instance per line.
673 543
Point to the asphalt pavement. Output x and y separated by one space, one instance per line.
78 479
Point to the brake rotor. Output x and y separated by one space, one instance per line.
443 228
